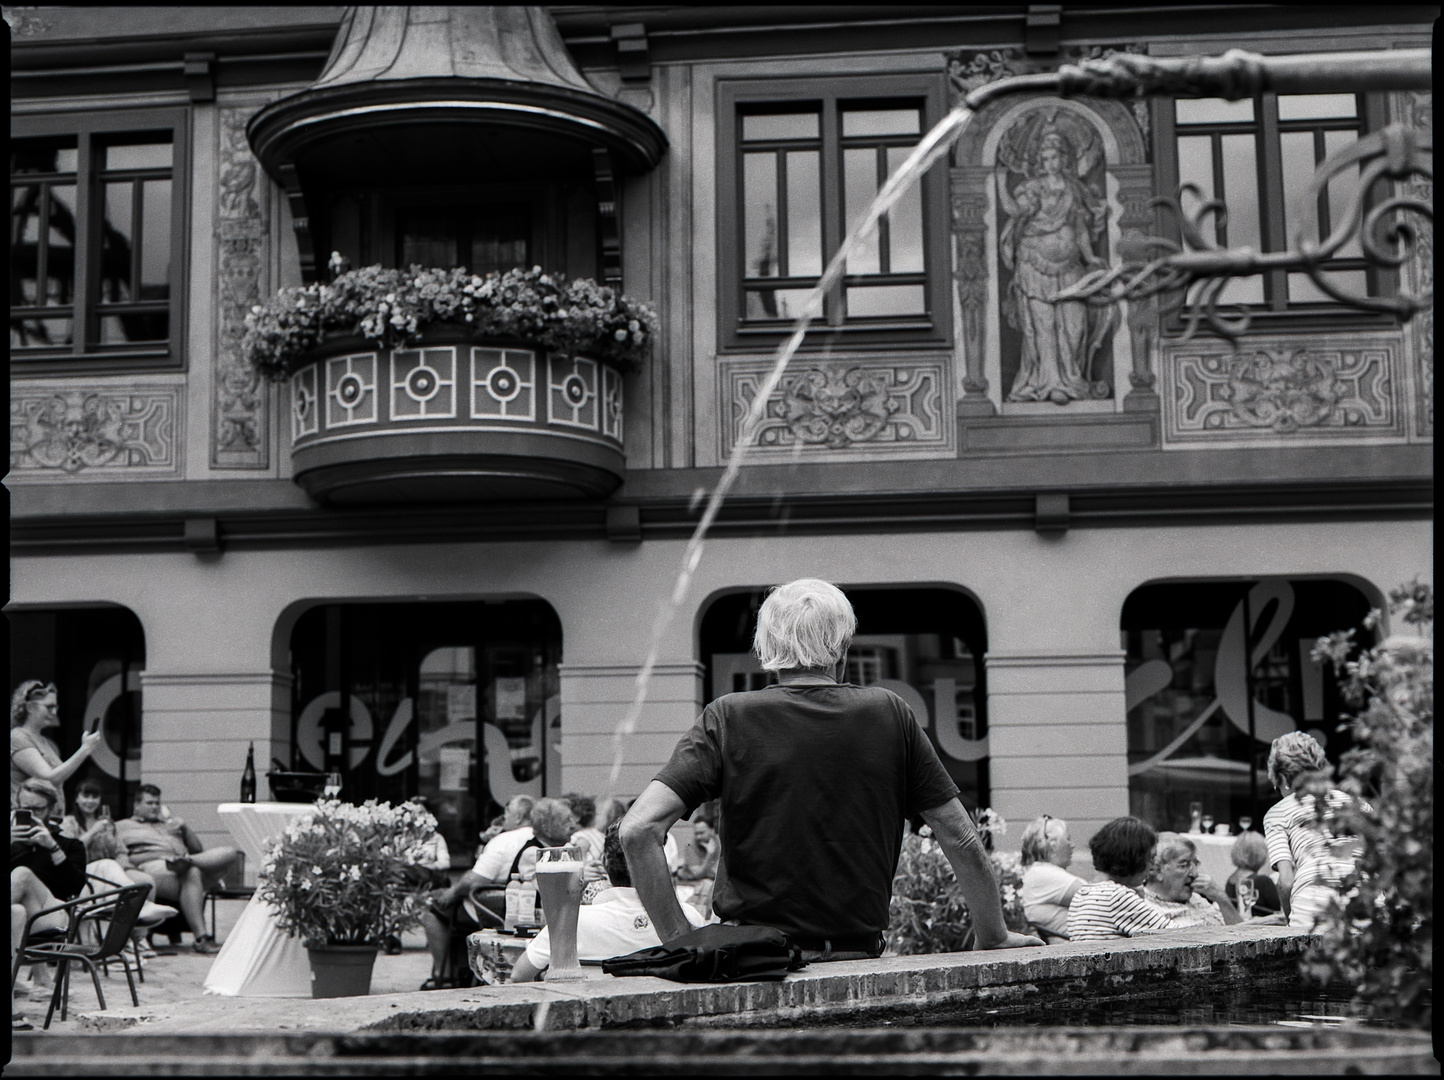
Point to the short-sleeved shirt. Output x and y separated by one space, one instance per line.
497 859
149 841
613 924
22 738
1047 892
1197 911
1291 832
1104 910
816 783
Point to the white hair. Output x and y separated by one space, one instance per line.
806 623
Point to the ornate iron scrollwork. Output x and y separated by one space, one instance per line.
1386 233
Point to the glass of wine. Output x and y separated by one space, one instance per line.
1245 823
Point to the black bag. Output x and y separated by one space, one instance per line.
715 954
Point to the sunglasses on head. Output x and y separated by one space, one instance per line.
39 690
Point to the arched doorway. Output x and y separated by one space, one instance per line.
924 644
94 655
456 701
1215 671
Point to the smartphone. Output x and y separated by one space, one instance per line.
24 817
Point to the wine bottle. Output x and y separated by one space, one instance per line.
248 777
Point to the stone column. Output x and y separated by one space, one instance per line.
595 699
1136 223
1058 738
970 212
197 728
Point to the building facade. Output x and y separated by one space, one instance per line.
1090 550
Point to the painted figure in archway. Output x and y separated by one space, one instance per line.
1056 220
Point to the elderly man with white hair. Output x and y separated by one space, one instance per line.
1310 858
816 779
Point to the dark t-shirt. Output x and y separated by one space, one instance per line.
815 784
65 879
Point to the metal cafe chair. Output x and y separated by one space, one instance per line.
118 909
163 912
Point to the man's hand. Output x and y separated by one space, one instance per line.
1013 941
35 835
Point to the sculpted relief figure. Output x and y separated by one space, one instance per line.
1056 218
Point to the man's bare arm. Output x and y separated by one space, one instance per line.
974 870
643 832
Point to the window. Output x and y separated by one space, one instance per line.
1215 672
484 239
96 239
799 168
1259 157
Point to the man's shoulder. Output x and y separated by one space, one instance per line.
850 694
512 838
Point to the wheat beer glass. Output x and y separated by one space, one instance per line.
559 883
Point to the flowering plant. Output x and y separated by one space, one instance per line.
349 875
1380 936
393 306
928 913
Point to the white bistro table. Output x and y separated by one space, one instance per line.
258 960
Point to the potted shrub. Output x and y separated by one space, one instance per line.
928 913
342 878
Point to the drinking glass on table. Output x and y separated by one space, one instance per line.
1247 895
559 883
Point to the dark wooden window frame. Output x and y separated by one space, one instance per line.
1276 314
735 96
90 130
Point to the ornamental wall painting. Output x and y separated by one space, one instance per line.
1052 225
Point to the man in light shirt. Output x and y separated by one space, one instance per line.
613 924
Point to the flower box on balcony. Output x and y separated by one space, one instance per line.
431 385
454 417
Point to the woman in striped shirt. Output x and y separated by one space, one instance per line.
1311 860
1112 908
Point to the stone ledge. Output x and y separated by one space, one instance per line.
962 984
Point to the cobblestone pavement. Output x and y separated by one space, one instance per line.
178 978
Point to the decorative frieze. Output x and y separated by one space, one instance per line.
1280 388
118 433
239 424
852 410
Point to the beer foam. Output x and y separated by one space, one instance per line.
558 867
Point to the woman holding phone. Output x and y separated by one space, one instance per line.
32 754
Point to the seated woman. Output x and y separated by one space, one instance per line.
45 868
1111 908
1048 888
1178 889
1251 890
91 824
